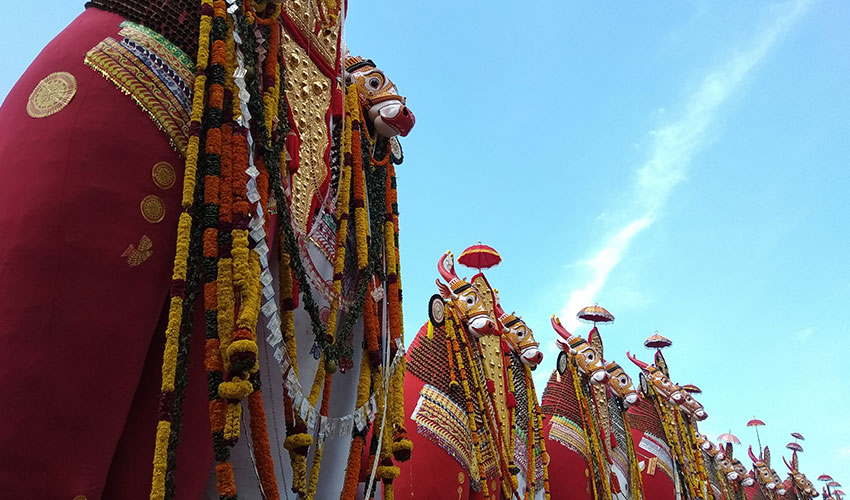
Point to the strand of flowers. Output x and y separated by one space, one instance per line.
586 424
542 441
531 474
511 403
470 407
361 225
184 227
316 466
402 446
352 110
213 159
491 417
297 440
241 351
358 438
636 483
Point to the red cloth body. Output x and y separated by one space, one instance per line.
569 473
431 472
81 332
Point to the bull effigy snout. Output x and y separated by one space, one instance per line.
599 377
483 325
399 117
532 356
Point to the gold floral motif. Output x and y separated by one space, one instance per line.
52 94
153 208
308 93
163 175
323 40
136 256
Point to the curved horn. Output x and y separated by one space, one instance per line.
446 267
559 328
643 366
497 308
750 452
787 464
794 461
766 455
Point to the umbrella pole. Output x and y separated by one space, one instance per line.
758 438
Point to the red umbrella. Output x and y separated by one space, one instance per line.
794 446
595 314
657 341
691 388
824 477
729 438
480 257
756 423
797 435
834 484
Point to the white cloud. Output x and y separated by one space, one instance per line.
804 333
673 146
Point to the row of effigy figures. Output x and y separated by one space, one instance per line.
473 414
202 293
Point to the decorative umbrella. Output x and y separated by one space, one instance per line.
729 438
595 314
794 447
834 484
480 257
824 477
756 423
657 341
797 435
692 389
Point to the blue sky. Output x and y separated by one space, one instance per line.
684 164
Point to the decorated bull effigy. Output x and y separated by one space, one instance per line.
466 425
202 366
585 401
202 294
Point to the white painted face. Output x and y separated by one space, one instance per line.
748 481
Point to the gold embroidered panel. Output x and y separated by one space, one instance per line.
308 92
141 74
318 23
569 434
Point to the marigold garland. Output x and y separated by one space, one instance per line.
352 108
355 453
161 465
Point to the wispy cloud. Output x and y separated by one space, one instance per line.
805 333
673 146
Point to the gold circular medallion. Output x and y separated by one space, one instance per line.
153 209
460 477
163 175
51 94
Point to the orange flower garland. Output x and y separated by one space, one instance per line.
355 453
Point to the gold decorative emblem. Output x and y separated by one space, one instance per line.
153 208
460 477
52 93
136 256
163 175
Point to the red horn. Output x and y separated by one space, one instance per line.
643 366
559 328
752 457
500 313
446 267
787 464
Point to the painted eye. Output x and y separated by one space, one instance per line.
374 83
589 356
623 381
470 300
521 333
